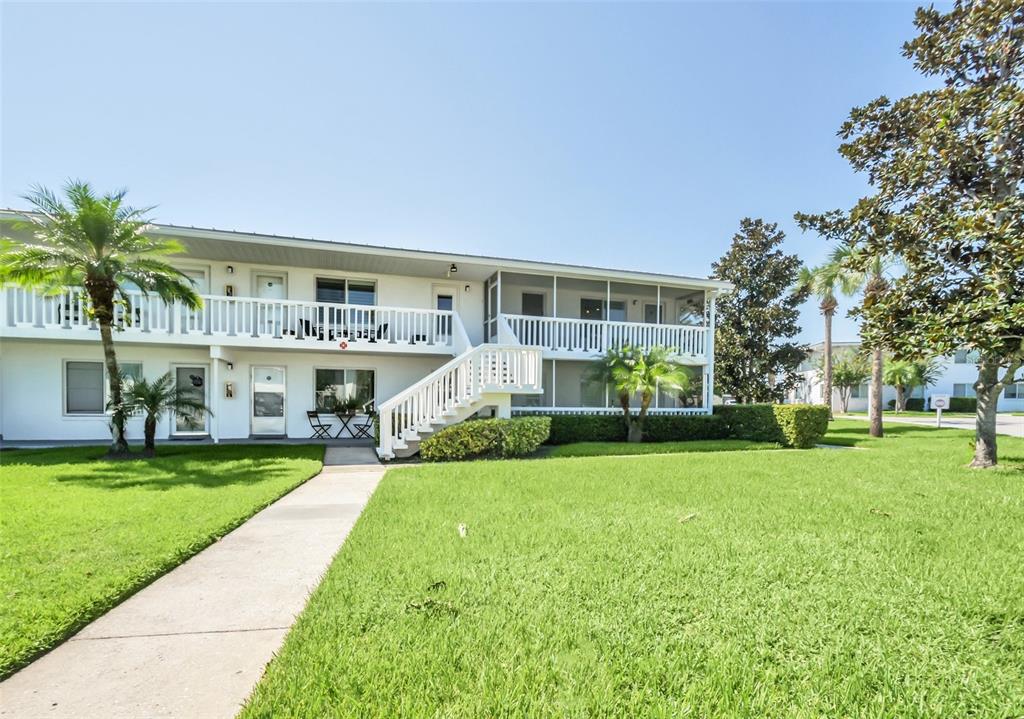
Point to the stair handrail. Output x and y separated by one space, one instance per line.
459 378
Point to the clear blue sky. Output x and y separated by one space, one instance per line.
625 135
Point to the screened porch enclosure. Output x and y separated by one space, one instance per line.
576 317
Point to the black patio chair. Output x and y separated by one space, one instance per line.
382 331
320 430
363 428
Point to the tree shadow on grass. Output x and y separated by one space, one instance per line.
207 467
856 436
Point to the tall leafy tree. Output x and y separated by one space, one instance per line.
849 369
947 168
99 243
755 355
631 372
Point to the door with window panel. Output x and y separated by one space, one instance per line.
191 383
268 401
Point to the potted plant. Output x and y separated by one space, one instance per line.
349 406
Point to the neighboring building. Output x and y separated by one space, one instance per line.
293 325
957 379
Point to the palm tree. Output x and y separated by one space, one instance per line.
156 398
823 282
874 284
900 374
100 243
631 371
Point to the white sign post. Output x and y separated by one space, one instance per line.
939 403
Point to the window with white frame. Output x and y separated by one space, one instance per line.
963 390
860 392
1014 391
337 388
965 357
342 291
86 386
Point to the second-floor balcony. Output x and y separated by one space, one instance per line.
576 318
579 338
236 321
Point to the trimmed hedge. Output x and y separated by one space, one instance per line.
914 404
963 404
796 425
572 428
486 438
755 422
683 427
801 425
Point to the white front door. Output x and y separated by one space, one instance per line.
270 286
268 401
191 382
199 282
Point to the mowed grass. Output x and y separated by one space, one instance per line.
80 535
614 449
876 582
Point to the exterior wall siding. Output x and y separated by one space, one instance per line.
31 375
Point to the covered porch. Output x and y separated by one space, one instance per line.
578 318
569 388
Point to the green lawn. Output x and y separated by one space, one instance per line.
879 582
611 449
80 535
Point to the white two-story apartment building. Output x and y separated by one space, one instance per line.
291 330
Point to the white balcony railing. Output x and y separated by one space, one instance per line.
248 319
561 334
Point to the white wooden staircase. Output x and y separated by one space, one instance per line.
477 378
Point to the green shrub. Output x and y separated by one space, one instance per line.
755 422
801 425
963 404
486 438
915 404
684 427
571 428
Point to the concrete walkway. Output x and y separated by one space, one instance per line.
1005 423
194 643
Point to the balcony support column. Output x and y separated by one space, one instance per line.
709 354
215 391
657 306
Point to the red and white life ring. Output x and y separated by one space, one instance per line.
343 345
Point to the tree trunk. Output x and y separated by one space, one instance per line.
875 405
150 434
986 389
901 398
636 431
118 444
636 424
828 363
